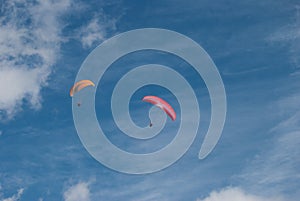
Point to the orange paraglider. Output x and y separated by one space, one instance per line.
80 85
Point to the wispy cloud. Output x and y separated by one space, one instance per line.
78 192
96 30
290 35
278 164
15 197
234 194
30 39
17 84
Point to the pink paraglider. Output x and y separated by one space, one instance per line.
161 104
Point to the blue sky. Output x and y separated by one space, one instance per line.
255 46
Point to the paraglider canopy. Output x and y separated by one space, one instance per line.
159 102
80 85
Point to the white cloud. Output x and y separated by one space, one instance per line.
276 168
287 33
15 197
23 83
234 194
78 192
290 35
30 39
96 30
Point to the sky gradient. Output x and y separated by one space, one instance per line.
255 46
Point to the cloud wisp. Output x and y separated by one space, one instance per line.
78 192
275 171
30 39
15 197
96 30
289 35
234 194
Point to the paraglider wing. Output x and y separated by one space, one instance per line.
161 104
80 85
